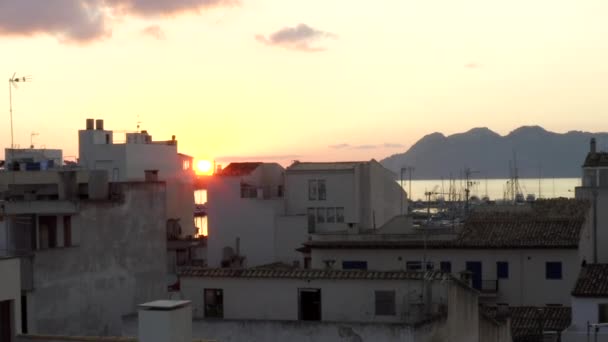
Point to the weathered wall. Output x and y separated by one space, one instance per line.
290 233
526 268
387 197
278 299
119 263
463 314
230 217
490 330
10 287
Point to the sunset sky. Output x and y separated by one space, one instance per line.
278 80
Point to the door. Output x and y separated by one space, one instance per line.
6 321
475 268
310 304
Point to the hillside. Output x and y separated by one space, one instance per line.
536 149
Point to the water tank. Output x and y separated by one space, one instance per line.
90 123
99 124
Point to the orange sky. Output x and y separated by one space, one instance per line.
245 81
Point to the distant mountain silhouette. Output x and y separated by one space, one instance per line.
554 154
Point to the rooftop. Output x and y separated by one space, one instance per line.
595 159
308 274
527 320
323 166
239 169
549 224
592 281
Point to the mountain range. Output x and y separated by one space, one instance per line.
536 152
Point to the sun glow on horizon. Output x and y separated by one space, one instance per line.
204 167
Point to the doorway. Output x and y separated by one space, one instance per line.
475 268
6 321
309 304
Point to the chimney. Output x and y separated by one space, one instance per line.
593 148
99 124
90 123
165 321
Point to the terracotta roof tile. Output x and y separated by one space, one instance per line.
526 321
239 169
592 281
306 274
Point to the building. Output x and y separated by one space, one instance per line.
333 304
514 257
138 159
260 213
89 250
10 298
343 196
32 159
589 306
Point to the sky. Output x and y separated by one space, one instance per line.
280 80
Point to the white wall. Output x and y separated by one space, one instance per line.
526 284
277 298
602 224
230 217
290 233
386 195
584 310
341 191
10 288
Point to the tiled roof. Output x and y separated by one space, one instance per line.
596 159
592 281
308 274
526 321
550 224
321 166
239 169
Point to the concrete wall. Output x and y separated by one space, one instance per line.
526 284
120 262
341 191
386 195
290 233
10 288
490 330
278 298
230 217
585 310
602 224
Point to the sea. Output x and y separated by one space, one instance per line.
493 188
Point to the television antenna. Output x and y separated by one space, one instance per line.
12 82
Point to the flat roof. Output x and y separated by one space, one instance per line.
165 304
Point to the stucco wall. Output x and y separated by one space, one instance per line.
340 192
230 217
290 233
10 288
602 224
119 263
386 195
278 298
526 284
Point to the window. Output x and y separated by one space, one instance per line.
331 215
446 266
311 220
47 229
354 265
413 266
312 189
602 310
340 215
385 303
321 215
553 270
214 303
321 189
67 231
502 270
248 191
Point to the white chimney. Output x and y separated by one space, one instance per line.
165 321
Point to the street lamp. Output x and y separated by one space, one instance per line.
12 82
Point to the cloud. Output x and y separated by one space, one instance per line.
154 31
257 158
365 147
165 7
301 37
339 146
68 20
472 65
82 21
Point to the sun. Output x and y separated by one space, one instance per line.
204 167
